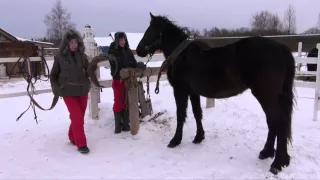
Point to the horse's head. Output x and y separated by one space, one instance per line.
151 40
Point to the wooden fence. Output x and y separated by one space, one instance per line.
316 85
94 95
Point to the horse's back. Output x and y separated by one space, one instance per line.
263 62
231 69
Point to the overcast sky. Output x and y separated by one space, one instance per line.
24 18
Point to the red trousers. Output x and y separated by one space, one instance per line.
118 87
77 107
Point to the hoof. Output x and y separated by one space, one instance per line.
266 154
173 144
274 171
279 163
198 139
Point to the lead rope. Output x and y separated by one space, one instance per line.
142 74
28 76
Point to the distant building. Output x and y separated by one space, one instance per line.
133 38
104 43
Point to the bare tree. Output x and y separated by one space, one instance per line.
205 32
275 24
318 21
260 20
289 20
313 30
195 32
58 21
265 22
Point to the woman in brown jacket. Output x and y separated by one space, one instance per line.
69 79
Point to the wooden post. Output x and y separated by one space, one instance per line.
299 55
91 51
210 103
317 90
133 108
132 88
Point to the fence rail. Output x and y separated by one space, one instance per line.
94 95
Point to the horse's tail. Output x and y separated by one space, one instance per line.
93 65
287 98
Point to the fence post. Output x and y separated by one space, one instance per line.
92 51
210 102
299 55
317 90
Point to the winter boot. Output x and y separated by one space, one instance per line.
125 120
117 122
84 149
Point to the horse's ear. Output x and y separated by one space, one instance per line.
152 16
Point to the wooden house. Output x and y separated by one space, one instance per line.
12 46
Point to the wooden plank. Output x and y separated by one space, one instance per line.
305 84
306 73
150 71
18 94
105 83
309 60
32 59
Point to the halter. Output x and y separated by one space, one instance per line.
155 43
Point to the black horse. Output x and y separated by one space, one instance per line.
260 64
312 53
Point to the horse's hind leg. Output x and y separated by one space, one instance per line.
197 112
181 97
283 130
277 128
268 150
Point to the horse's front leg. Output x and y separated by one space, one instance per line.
181 98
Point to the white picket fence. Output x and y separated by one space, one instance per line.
316 85
94 95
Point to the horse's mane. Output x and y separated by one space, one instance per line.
165 19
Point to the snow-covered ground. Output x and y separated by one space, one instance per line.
236 131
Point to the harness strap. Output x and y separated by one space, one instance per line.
33 103
53 104
171 59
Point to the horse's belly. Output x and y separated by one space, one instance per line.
218 90
226 93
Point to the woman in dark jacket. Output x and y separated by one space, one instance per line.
69 79
125 58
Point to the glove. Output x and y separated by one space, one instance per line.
141 65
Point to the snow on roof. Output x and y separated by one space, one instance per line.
15 38
103 41
32 41
133 38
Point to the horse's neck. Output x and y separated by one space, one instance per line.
172 38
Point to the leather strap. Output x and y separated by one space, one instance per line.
53 104
171 59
